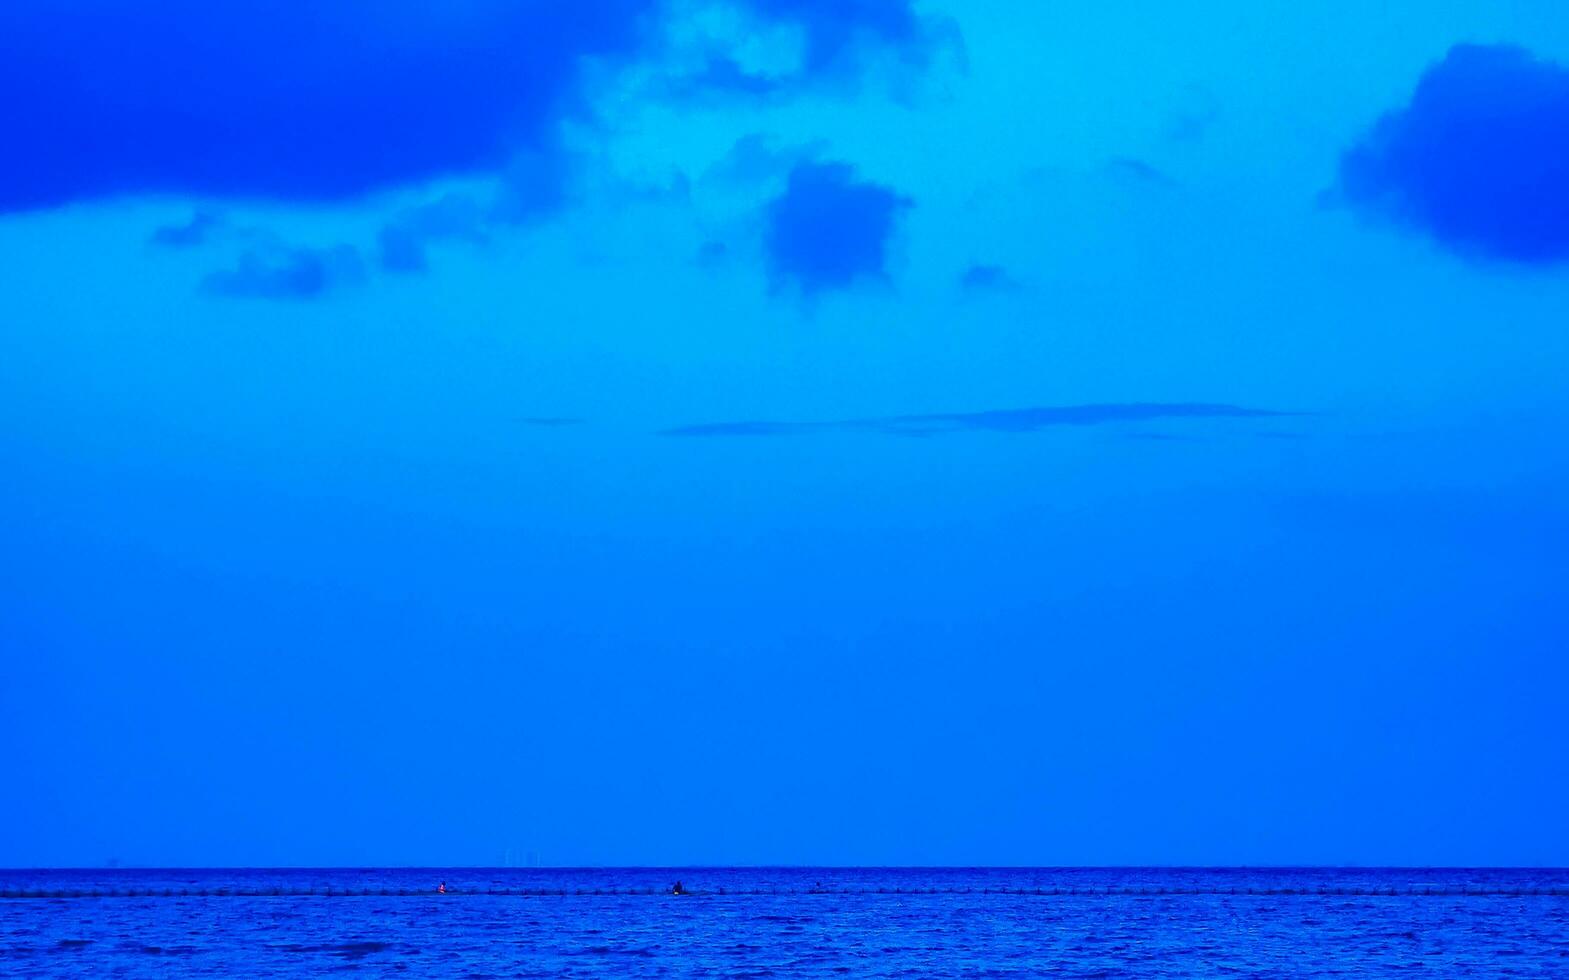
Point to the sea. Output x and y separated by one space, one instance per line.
786 922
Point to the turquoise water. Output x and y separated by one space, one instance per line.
786 922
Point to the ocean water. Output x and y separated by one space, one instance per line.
1134 923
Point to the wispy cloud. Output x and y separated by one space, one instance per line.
1141 171
287 273
839 39
198 230
985 278
1017 420
760 157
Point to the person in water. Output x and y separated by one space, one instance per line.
678 890
442 888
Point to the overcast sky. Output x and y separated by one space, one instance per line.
783 431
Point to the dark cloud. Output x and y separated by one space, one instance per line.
1008 420
287 273
1478 160
829 229
302 101
201 227
983 278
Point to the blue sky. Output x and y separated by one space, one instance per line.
783 431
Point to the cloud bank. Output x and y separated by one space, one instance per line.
1003 420
1478 160
284 99
299 101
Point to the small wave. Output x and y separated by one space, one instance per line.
351 951
612 951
